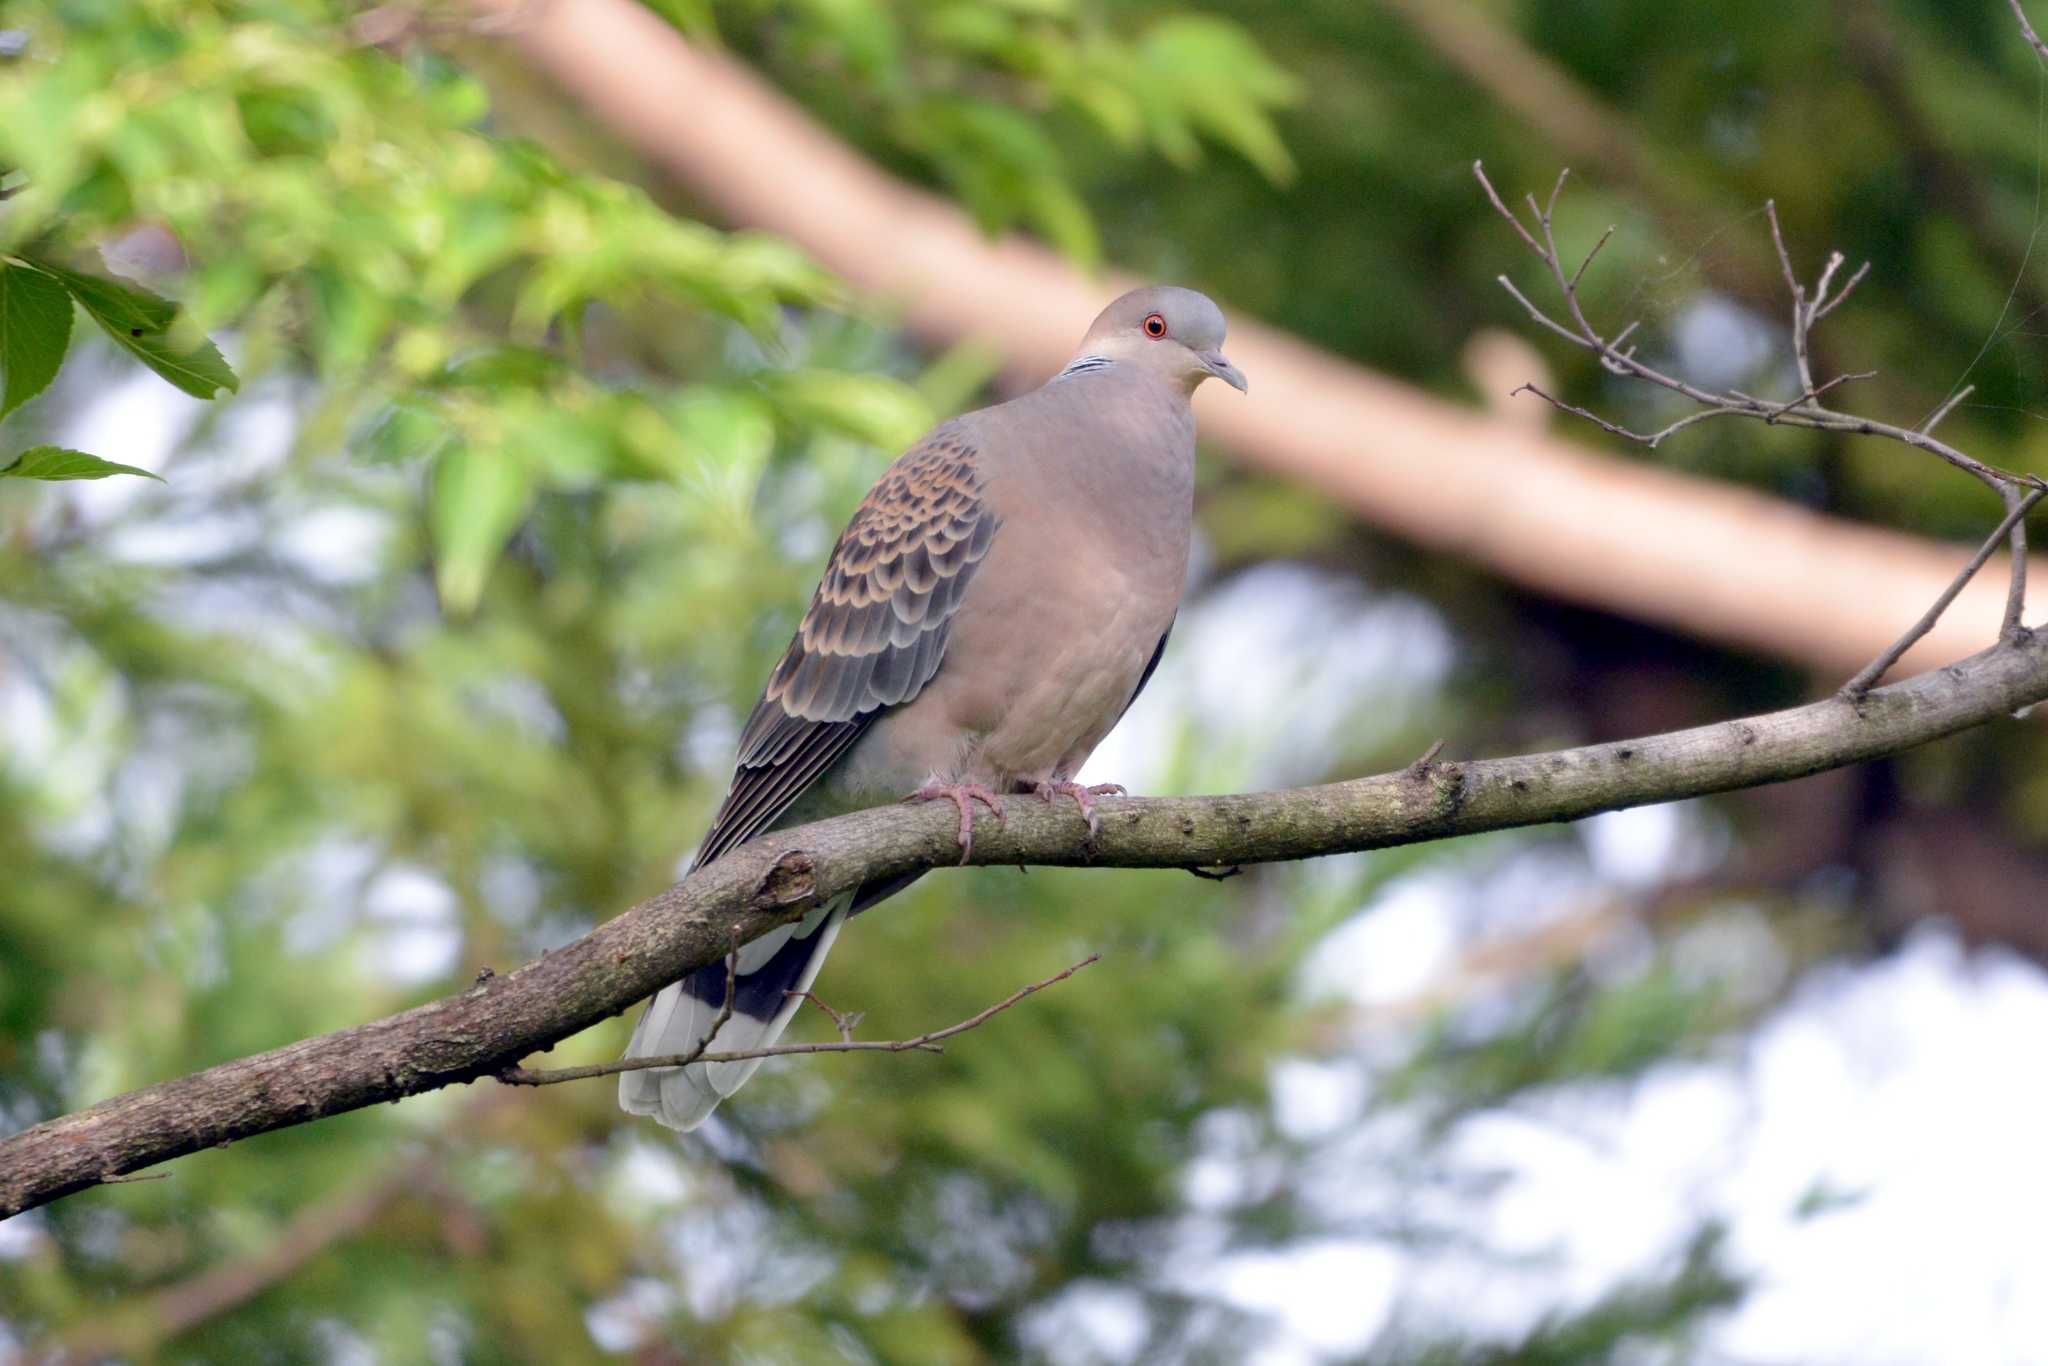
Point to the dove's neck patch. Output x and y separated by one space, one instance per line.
1081 365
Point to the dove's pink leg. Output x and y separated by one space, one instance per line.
1084 796
961 795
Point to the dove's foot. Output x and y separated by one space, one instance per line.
962 795
1084 797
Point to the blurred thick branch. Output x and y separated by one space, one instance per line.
1694 554
1543 96
140 1328
503 1019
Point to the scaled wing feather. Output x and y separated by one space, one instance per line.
874 635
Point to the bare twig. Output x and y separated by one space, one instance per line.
1780 410
2019 492
1822 310
1803 411
1644 438
732 976
1538 314
2033 38
2016 509
1948 405
845 1021
519 1076
1798 293
1479 169
1777 410
1827 278
1579 274
1784 256
923 1043
2015 517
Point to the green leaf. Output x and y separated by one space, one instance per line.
141 322
883 412
1210 74
476 500
56 462
35 330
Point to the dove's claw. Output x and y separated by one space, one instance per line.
962 795
1084 796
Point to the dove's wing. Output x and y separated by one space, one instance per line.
873 637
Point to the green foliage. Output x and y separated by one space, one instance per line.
55 462
351 217
965 88
35 332
143 325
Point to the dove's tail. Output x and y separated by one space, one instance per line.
683 1013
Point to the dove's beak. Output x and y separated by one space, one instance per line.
1218 364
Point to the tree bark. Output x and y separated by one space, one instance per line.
773 880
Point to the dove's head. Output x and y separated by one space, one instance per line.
1176 332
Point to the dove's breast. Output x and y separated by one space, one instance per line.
1095 491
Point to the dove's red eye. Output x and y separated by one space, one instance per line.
1155 326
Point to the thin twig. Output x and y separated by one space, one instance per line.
1779 410
1539 315
1784 256
1479 170
1578 274
1644 438
1821 311
520 1076
1948 405
1876 669
924 1043
1802 314
2016 591
732 974
1803 411
1602 423
2033 38
844 1021
1820 286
